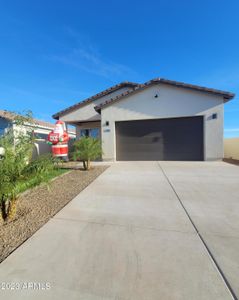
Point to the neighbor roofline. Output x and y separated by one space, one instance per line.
226 95
11 116
95 97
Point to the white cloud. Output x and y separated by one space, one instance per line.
90 62
86 57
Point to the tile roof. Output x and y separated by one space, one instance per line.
226 95
12 116
95 97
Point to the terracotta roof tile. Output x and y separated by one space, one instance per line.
227 95
95 97
12 116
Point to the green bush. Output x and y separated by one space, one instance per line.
17 170
87 149
17 154
37 170
42 164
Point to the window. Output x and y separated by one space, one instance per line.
93 132
85 132
40 136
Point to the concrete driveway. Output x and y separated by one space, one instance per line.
140 231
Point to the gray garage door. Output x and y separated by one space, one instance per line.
160 139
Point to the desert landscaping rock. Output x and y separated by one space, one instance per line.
36 206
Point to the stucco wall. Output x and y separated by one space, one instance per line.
40 147
88 112
23 129
171 102
231 148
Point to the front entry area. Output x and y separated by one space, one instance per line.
172 139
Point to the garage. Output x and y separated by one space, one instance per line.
178 139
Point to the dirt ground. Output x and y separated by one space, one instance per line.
231 161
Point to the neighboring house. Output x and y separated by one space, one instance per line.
40 128
158 120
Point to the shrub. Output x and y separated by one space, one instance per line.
40 170
87 149
42 164
17 170
17 154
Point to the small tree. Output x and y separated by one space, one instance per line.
17 154
87 149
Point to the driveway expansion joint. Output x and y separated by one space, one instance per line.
206 247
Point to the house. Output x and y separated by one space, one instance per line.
158 120
41 129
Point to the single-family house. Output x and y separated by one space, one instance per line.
40 129
157 120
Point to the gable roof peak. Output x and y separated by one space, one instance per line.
95 97
226 95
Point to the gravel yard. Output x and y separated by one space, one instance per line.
36 206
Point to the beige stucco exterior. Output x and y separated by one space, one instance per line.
231 148
87 112
86 116
171 102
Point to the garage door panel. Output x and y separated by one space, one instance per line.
160 139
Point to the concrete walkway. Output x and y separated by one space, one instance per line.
127 236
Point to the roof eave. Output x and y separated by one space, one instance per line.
95 97
230 97
226 95
97 109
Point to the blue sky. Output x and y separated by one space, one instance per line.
55 53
